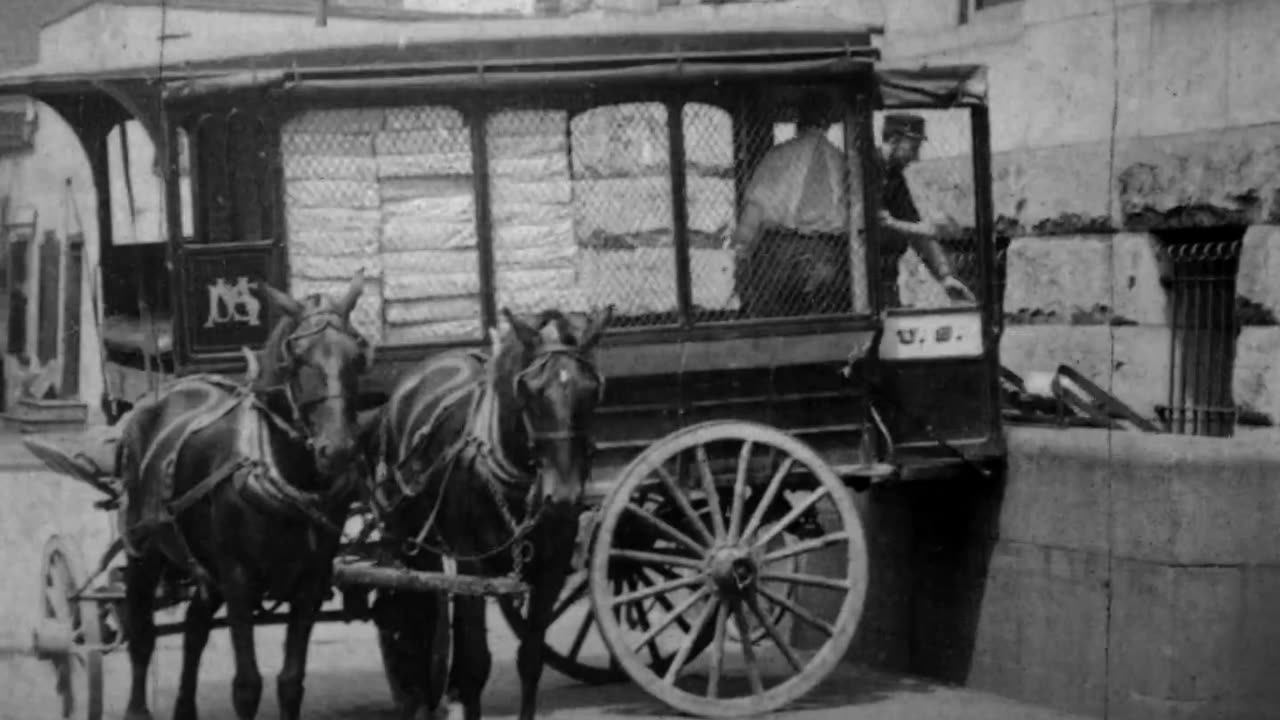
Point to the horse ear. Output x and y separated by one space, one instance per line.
283 302
348 302
523 330
253 368
595 328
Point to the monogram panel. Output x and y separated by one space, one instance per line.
225 309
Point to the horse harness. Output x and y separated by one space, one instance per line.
479 449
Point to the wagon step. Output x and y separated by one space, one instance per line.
369 573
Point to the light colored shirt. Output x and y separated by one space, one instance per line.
799 185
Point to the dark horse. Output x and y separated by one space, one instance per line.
244 489
485 460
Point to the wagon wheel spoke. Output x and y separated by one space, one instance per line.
665 602
577 591
674 615
682 655
580 637
682 501
806 546
748 650
753 604
739 492
790 517
709 488
804 615
770 492
666 529
658 590
806 579
640 620
717 651
656 558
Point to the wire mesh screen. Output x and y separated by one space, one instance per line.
391 190
769 208
1202 304
582 211
926 167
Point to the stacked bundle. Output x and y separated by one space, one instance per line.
532 198
332 207
429 230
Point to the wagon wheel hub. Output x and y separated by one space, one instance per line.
733 570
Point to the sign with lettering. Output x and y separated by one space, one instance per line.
224 308
931 336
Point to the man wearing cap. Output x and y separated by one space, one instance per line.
791 240
901 137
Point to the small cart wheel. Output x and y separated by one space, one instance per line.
69 635
724 561
573 606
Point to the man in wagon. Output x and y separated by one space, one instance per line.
791 242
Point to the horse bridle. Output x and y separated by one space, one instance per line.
541 358
330 319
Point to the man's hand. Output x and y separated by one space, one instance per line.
957 290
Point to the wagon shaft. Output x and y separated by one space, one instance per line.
349 572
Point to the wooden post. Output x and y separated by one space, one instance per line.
72 276
322 13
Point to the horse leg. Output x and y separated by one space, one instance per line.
142 576
543 593
199 622
246 686
302 619
471 659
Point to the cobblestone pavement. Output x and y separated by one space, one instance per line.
345 682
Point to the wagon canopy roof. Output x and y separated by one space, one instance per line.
494 53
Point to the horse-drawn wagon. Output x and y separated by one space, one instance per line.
571 165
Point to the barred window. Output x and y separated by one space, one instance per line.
232 153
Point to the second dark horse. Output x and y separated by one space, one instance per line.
244 489
486 461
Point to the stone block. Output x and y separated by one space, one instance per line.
396 191
1259 266
1253 87
448 209
1259 650
528 146
348 241
1055 492
1138 354
1186 78
638 281
1142 628
1136 280
1070 74
1210 177
1064 280
620 141
1184 500
1255 375
542 256
1208 603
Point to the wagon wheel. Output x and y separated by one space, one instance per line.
728 573
565 651
70 633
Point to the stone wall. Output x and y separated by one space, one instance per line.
1121 575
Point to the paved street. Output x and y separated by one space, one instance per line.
345 682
